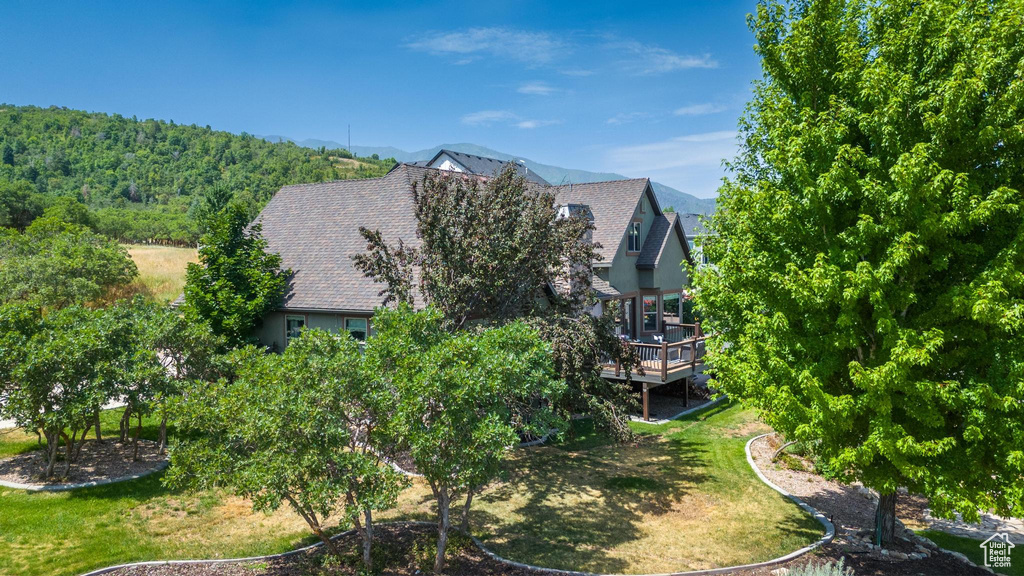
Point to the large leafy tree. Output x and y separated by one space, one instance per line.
489 252
305 428
462 399
54 264
59 375
867 293
236 281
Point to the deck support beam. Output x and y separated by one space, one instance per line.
647 414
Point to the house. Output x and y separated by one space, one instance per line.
640 280
693 227
472 164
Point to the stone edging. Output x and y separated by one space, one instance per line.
65 487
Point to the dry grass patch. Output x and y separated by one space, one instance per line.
683 499
161 270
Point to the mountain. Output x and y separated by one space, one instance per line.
667 196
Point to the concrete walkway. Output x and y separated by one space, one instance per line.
989 525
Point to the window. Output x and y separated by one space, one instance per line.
650 313
356 327
634 236
670 303
293 326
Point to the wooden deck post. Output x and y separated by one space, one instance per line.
647 416
686 394
664 361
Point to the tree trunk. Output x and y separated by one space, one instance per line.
368 539
885 519
81 443
96 424
126 422
443 507
465 511
135 440
163 433
69 447
52 446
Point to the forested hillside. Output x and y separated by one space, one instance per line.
146 181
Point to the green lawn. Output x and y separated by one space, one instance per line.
73 532
971 548
685 498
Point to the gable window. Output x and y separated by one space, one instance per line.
293 326
634 236
356 327
651 313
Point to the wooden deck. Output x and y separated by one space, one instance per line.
680 356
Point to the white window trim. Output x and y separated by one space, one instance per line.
287 317
637 225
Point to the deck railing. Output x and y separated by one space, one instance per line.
681 346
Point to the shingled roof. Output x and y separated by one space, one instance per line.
315 229
691 224
612 204
657 238
485 166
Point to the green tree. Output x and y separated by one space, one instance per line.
149 176
299 428
487 252
236 281
867 292
54 264
461 398
59 377
19 204
69 210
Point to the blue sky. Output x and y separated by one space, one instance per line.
641 89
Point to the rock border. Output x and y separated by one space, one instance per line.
65 487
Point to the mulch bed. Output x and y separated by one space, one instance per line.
399 550
852 510
98 461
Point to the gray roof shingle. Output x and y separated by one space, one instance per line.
691 224
612 204
315 229
484 166
657 239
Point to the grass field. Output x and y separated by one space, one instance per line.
161 270
685 498
971 548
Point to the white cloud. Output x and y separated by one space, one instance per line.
537 89
578 72
488 117
626 117
529 124
691 163
648 59
508 43
505 117
699 110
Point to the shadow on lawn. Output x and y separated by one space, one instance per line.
571 507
